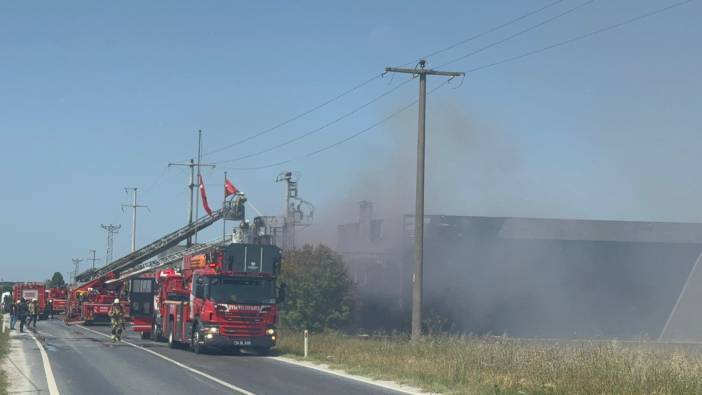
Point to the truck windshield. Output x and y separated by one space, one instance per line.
242 290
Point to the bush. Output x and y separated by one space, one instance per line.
320 292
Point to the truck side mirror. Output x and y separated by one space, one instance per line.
281 292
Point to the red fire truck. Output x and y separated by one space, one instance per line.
89 303
31 291
58 296
223 299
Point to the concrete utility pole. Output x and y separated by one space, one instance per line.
93 259
134 207
192 165
417 280
76 263
112 230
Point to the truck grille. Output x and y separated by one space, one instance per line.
243 324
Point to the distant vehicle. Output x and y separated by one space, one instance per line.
89 303
58 295
31 291
6 301
226 298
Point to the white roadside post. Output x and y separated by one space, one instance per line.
307 335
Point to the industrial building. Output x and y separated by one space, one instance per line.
531 277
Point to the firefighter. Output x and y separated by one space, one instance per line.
33 313
13 314
116 314
22 313
50 309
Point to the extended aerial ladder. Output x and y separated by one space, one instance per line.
90 301
166 260
151 250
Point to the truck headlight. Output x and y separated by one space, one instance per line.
270 331
213 329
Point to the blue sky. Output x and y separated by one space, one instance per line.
95 97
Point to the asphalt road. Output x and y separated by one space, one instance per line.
85 362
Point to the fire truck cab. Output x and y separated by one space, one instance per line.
224 299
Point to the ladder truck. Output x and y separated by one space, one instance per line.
225 298
90 300
58 296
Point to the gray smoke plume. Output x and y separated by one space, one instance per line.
476 280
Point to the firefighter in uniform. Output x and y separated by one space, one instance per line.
32 313
22 311
116 314
50 309
34 309
13 314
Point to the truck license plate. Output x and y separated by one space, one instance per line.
241 342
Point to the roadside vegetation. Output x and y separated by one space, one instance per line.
500 365
320 294
321 299
4 350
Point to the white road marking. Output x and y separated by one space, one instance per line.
186 367
50 380
387 385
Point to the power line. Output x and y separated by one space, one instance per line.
296 117
493 64
519 33
486 32
157 180
582 36
339 142
491 45
320 128
373 78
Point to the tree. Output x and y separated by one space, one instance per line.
319 293
57 280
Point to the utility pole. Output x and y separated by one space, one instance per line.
199 176
192 165
224 202
417 276
290 192
134 206
112 230
93 259
297 213
76 263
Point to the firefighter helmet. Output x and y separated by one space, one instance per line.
116 301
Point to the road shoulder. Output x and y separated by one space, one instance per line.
321 367
23 364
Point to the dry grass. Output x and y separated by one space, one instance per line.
499 365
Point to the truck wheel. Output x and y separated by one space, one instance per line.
171 337
195 340
156 333
145 335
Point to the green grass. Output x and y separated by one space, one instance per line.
4 349
500 365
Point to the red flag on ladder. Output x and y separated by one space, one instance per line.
204 196
229 188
